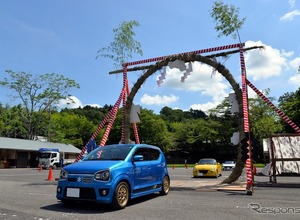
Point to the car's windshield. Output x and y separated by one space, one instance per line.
229 162
207 161
110 152
44 155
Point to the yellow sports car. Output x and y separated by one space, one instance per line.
207 167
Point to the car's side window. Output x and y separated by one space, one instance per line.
153 154
142 151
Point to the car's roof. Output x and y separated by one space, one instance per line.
134 145
207 159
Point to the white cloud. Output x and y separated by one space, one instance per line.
210 105
295 63
94 105
292 3
290 15
251 93
205 107
265 63
158 100
295 80
202 80
72 102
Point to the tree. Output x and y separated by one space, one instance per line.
264 121
227 19
229 121
227 22
123 46
12 122
289 103
70 128
153 129
37 94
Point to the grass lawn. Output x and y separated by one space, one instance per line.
258 165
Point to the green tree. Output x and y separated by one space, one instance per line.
229 121
153 130
191 134
37 94
227 22
94 114
227 19
12 122
264 121
124 45
289 103
71 128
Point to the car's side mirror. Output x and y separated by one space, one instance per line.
196 163
218 163
138 158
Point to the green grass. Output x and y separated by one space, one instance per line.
258 165
179 165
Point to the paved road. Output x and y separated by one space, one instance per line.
26 194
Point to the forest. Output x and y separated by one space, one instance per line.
179 133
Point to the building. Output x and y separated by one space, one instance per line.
20 153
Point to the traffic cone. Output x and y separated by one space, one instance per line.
254 170
50 177
40 169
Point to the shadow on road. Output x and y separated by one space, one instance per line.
92 207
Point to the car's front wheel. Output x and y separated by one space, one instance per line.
121 196
217 174
165 186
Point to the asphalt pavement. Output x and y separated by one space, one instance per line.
215 184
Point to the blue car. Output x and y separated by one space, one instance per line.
114 174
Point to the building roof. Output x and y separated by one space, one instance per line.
29 145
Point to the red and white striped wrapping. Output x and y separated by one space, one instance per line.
112 120
244 92
213 49
108 116
249 172
136 134
278 111
125 87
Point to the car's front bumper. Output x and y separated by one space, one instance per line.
84 188
227 168
203 172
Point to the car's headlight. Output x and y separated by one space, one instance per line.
212 168
103 175
63 174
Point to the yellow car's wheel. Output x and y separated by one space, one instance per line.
121 196
217 174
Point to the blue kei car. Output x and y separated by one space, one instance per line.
114 174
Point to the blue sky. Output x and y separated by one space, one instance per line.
63 36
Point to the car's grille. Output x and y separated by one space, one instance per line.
72 179
87 179
86 193
203 171
83 179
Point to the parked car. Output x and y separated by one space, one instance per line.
114 174
228 165
207 167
